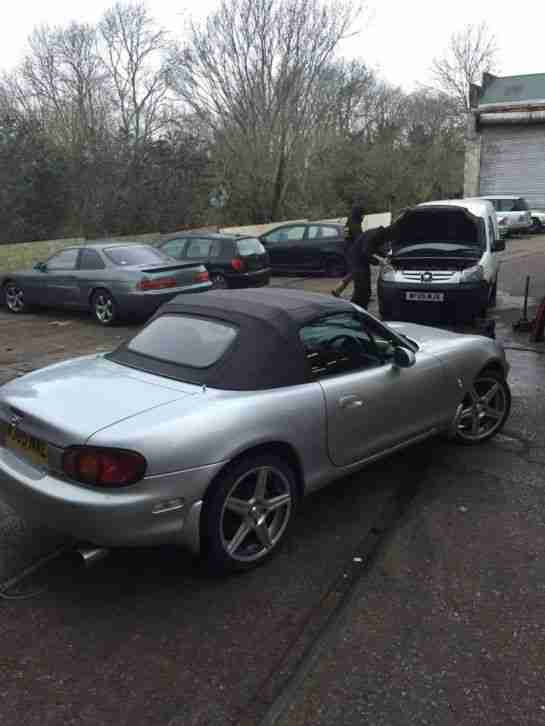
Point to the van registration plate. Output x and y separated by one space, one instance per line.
425 296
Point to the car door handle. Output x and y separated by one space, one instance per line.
350 402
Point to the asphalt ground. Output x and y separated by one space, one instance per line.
147 637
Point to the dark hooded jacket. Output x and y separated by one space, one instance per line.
352 229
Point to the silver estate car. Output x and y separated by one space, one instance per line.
112 280
208 426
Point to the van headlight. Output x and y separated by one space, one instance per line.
472 274
387 273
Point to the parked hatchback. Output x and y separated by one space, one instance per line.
307 247
231 261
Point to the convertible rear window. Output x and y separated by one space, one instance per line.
184 340
135 255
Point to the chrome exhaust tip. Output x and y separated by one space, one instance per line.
91 555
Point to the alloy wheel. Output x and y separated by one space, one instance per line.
15 299
484 410
255 514
104 308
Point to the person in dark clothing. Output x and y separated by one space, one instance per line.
362 255
352 232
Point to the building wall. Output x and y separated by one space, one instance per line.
472 164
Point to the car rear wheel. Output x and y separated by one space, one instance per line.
14 297
537 226
485 409
218 281
335 267
104 307
247 513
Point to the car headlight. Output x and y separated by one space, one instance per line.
387 273
472 274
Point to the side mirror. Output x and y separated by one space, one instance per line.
41 266
403 358
498 245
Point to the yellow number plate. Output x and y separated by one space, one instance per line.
31 448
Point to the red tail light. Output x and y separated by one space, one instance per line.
103 467
238 264
201 277
160 284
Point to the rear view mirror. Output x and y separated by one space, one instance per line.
498 245
403 358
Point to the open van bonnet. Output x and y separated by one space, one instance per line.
437 230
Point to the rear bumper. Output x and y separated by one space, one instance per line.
460 302
256 278
111 518
144 304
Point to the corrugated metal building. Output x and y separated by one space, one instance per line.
505 143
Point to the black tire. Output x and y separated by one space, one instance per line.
501 403
335 266
493 299
385 312
14 298
536 227
218 281
104 307
238 485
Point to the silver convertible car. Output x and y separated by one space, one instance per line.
209 425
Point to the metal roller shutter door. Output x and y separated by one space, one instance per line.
513 162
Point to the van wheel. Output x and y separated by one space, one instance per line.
492 301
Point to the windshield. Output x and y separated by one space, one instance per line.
135 255
250 246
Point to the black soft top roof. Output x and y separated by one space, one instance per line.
267 352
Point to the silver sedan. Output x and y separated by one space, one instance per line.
113 280
209 425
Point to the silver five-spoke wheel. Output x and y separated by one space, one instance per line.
104 307
248 512
14 296
484 409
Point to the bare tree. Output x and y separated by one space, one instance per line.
133 51
253 75
63 80
470 53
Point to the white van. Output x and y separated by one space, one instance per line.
443 263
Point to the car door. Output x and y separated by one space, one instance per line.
90 274
60 286
322 243
285 246
372 405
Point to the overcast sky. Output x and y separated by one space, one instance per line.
399 37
